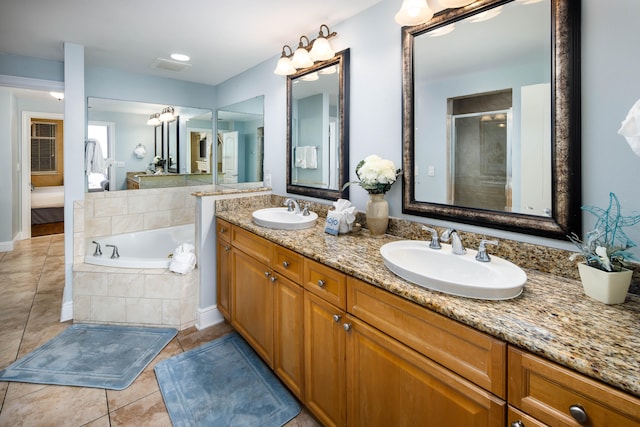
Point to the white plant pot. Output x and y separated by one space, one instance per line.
604 286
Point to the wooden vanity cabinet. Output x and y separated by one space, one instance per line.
548 393
223 270
390 384
266 305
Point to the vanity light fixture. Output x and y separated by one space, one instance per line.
312 77
167 114
413 12
154 119
442 30
307 53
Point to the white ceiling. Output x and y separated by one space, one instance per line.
222 37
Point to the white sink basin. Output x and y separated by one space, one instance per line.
280 219
460 275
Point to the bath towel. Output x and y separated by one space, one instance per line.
306 157
630 128
93 157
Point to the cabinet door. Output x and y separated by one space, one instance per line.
324 352
223 277
252 303
389 384
288 343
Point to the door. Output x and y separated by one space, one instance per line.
288 341
230 157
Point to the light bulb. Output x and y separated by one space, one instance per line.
413 12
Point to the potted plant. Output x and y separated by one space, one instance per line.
605 253
376 175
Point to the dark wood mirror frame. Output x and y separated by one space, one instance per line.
565 129
341 58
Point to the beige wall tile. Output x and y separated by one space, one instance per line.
87 283
158 219
81 308
111 206
95 227
165 286
171 310
141 203
125 285
144 311
108 309
127 223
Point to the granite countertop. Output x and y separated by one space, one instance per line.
552 317
220 189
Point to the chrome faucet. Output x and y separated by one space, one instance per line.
98 250
435 242
305 210
292 206
115 253
456 243
482 254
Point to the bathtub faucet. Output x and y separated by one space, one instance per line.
115 253
98 250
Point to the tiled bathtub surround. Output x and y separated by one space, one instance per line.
552 318
149 297
145 297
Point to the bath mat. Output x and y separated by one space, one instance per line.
223 383
100 356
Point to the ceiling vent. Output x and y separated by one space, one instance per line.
169 65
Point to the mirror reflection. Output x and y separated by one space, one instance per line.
480 122
317 134
474 119
240 142
119 127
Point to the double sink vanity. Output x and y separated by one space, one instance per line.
359 345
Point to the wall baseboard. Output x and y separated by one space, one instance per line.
6 246
208 316
67 311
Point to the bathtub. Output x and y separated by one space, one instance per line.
141 249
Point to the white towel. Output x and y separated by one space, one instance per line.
93 157
183 260
306 157
630 128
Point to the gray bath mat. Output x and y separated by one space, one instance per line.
223 383
100 356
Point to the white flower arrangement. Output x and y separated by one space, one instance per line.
375 174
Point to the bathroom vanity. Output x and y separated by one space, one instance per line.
361 347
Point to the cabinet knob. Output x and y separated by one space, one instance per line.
321 283
273 278
267 274
336 318
223 230
285 264
578 413
347 327
227 248
517 424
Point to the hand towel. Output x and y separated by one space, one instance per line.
311 157
630 128
93 157
301 157
347 214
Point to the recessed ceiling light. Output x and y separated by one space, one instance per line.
58 95
180 57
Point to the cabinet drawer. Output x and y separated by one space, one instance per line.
546 391
514 416
327 283
472 354
251 244
287 263
223 230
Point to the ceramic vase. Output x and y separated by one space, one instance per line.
377 214
605 286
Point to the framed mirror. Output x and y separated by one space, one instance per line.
318 129
240 142
158 141
173 145
491 125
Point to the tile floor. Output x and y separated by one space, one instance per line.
31 285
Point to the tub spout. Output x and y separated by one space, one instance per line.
115 253
98 250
